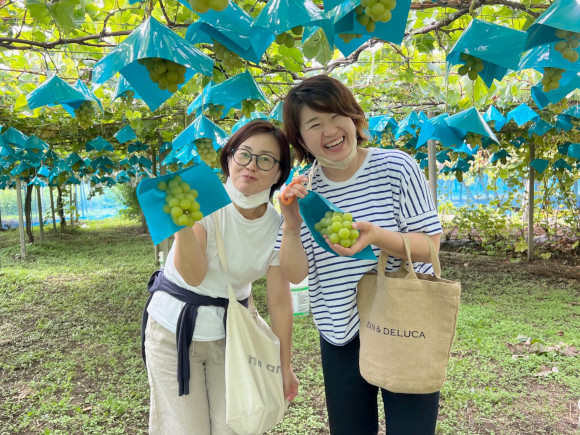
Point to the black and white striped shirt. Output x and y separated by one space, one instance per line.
388 190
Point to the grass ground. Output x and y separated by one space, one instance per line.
70 354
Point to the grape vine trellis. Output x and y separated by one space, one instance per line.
68 38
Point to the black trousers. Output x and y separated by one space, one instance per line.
351 401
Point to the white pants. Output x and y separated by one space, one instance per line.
203 410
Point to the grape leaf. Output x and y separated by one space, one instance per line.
316 47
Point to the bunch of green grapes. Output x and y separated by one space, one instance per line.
215 111
287 38
473 138
558 107
459 176
227 58
127 97
248 106
551 78
202 6
472 66
575 122
347 37
570 42
85 114
369 12
338 227
180 201
207 154
166 73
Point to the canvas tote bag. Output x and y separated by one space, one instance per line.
254 389
407 325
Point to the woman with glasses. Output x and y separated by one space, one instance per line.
256 161
386 193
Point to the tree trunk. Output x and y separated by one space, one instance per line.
52 210
60 207
28 213
531 204
432 160
40 216
20 218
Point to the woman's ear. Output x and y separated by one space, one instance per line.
277 178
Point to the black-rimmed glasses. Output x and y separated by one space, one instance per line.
243 157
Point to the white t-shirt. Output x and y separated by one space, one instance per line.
250 252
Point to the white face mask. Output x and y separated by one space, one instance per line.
246 201
342 164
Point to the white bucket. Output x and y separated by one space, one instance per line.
300 298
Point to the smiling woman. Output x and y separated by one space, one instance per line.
189 297
386 193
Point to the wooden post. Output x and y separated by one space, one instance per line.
432 152
52 210
531 189
40 217
20 218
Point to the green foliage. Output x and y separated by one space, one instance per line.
70 357
127 195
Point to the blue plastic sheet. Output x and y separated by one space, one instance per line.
122 87
562 14
52 92
561 164
150 39
14 138
472 121
234 29
344 19
278 16
540 165
201 127
492 114
437 128
212 197
137 146
277 112
573 111
540 128
563 123
498 155
544 56
382 122
521 114
312 208
99 144
125 134
103 163
573 151
35 143
497 46
569 82
229 93
22 167
409 125
243 121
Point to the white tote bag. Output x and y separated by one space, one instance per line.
254 389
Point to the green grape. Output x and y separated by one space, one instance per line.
180 201
472 66
370 12
551 78
347 37
570 41
227 58
559 107
84 114
167 74
215 111
338 227
202 6
459 176
206 152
